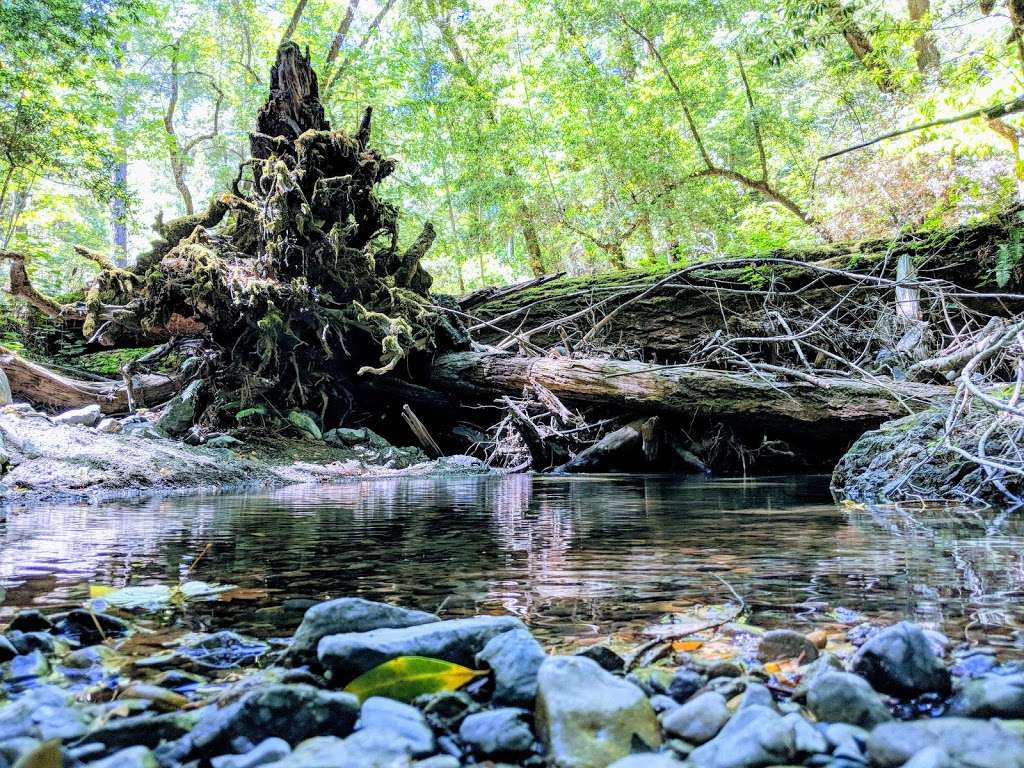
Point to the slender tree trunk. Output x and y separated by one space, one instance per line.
119 176
534 256
293 24
174 149
925 48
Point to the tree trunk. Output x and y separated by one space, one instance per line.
925 48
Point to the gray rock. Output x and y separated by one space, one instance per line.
5 390
406 722
7 651
515 657
291 712
975 743
757 694
587 717
146 730
346 656
607 658
267 751
840 697
899 661
785 644
438 761
179 414
222 441
990 696
685 683
108 426
498 732
698 720
345 437
130 757
931 757
348 614
366 749
663 703
647 760
807 740
826 662
753 737
87 416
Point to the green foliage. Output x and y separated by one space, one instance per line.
1008 257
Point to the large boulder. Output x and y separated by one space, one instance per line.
964 741
345 615
756 736
899 661
587 717
841 697
346 656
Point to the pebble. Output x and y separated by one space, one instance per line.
608 659
685 683
267 751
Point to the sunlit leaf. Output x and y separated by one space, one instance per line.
159 596
407 677
100 590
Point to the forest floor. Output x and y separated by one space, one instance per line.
51 458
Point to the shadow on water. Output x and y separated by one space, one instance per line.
572 556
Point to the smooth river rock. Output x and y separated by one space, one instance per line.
349 614
899 661
498 733
86 416
515 657
786 644
404 721
754 737
587 717
699 719
990 696
976 743
347 656
841 697
291 712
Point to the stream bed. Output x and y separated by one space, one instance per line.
574 557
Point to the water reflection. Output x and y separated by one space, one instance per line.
572 556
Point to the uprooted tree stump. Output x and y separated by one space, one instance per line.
293 283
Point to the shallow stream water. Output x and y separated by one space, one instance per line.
574 557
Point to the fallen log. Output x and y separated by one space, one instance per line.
657 313
50 389
838 404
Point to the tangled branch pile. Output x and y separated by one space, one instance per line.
287 287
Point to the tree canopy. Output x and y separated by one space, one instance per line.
537 136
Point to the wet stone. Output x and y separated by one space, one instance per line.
990 696
346 656
130 757
685 683
502 732
608 659
349 614
841 697
30 620
222 650
786 644
588 717
7 651
90 627
267 751
899 661
405 721
445 711
699 720
980 743
755 736
515 657
652 760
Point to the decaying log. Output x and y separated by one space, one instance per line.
658 313
45 387
620 445
643 388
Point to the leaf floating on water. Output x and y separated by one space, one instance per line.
46 755
407 677
157 596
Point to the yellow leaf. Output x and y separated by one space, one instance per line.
46 755
407 677
686 646
99 590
